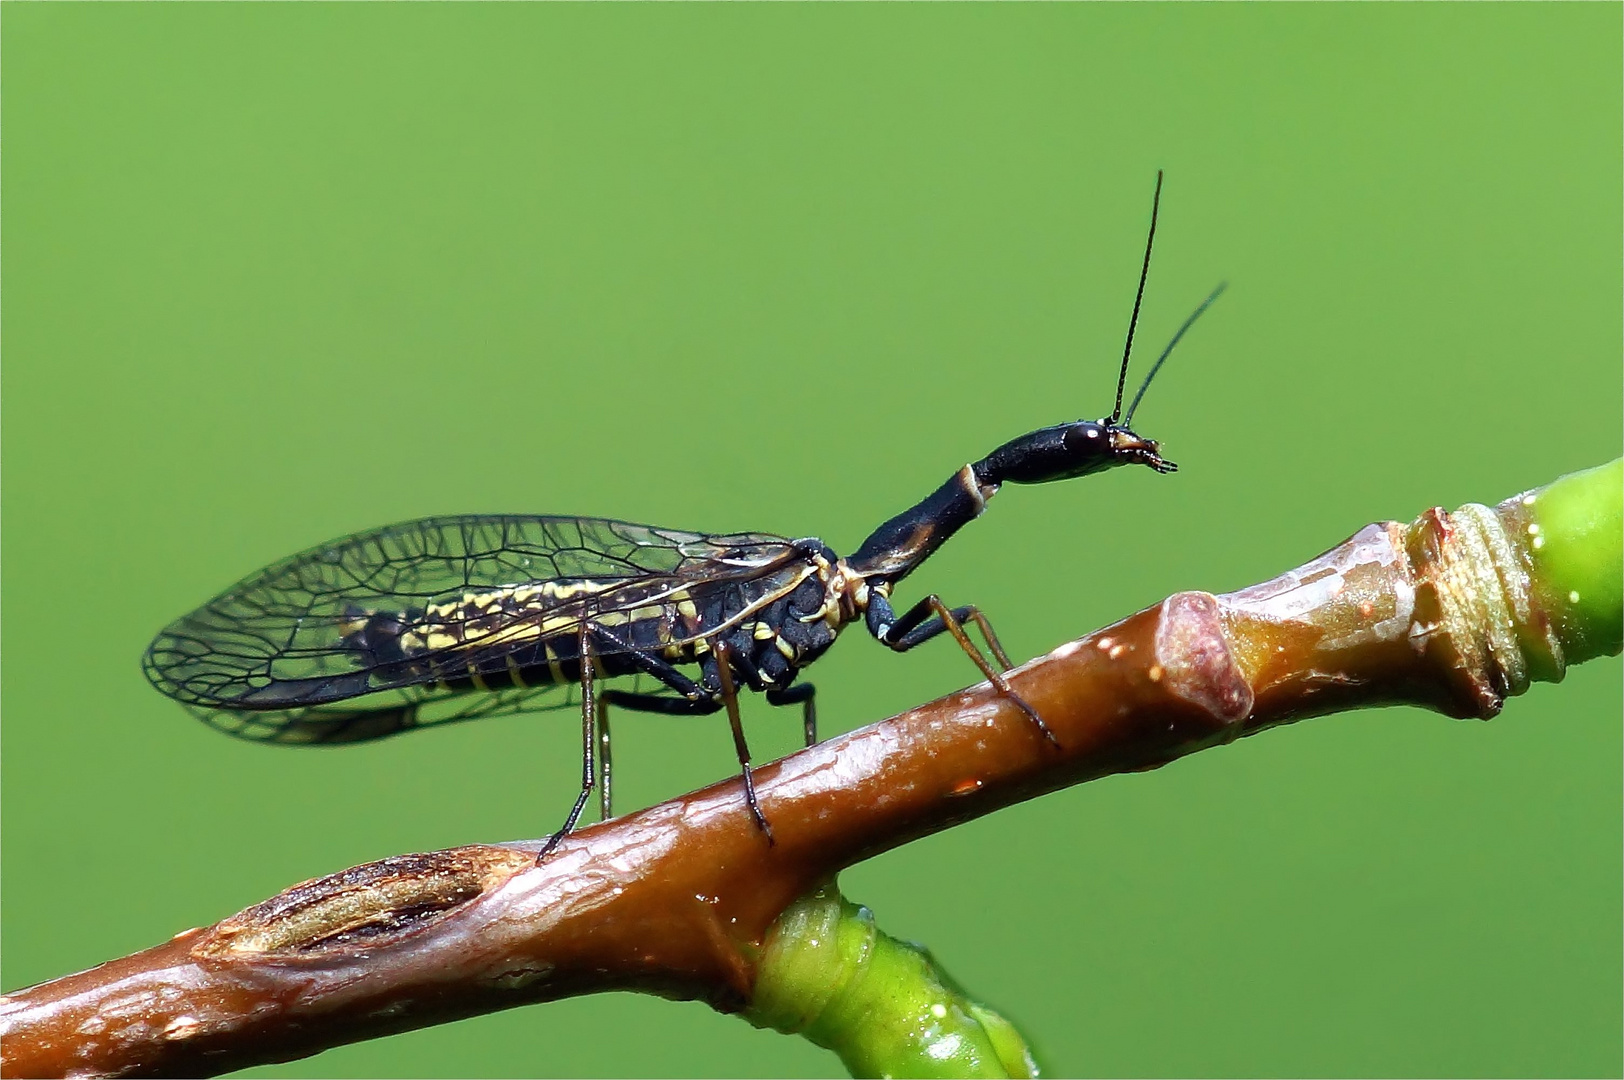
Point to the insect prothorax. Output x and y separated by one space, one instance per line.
1061 452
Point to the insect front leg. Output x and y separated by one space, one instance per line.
915 629
917 626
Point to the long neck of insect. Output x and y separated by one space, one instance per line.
895 549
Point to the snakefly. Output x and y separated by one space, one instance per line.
455 618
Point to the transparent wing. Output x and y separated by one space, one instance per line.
408 710
305 631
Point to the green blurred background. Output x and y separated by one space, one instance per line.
274 273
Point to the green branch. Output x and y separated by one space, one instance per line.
884 1006
1576 546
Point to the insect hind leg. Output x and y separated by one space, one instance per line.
606 799
692 694
677 706
804 695
595 717
589 713
648 703
660 703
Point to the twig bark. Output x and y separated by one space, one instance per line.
1453 612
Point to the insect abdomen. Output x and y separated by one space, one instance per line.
408 650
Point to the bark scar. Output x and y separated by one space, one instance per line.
1197 665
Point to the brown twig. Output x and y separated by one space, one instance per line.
676 899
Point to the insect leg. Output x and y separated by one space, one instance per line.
654 667
730 698
912 629
588 738
974 614
648 703
746 667
803 694
650 665
654 703
605 799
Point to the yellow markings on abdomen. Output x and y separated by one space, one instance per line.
622 618
473 619
554 668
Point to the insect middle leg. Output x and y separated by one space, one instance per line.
730 697
930 617
802 694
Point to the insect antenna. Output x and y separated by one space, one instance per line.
1157 366
1127 350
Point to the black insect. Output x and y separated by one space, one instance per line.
455 618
